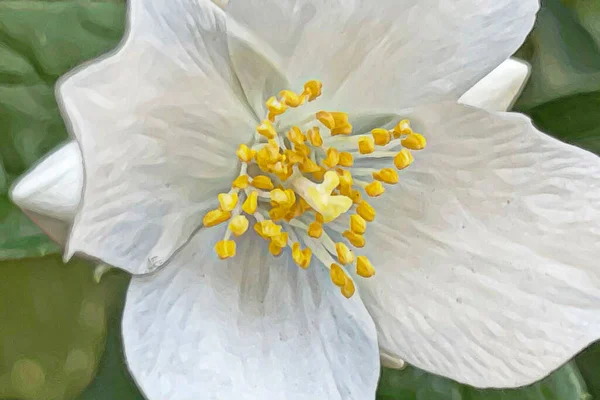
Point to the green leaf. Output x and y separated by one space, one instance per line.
414 384
574 119
53 326
589 365
40 41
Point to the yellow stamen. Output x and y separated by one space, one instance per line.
281 239
365 210
326 119
344 254
215 217
366 145
262 182
244 153
274 249
296 136
356 239
381 136
374 189
315 230
402 128
266 129
301 257
251 203
267 229
346 159
290 98
275 107
227 201
241 182
225 249
414 141
386 175
333 157
348 289
238 225
314 136
337 275
358 224
312 89
403 159
364 267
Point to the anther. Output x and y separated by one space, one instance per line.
381 136
364 267
344 254
366 145
403 159
215 217
225 249
414 141
238 225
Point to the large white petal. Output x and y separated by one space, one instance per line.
487 251
373 55
499 89
158 123
253 327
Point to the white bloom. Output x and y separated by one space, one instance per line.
485 250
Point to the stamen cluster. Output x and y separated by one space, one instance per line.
301 183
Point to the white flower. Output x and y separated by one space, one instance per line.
485 250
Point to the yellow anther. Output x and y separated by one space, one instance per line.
348 289
381 136
344 129
289 98
366 211
355 196
344 254
338 275
366 145
345 178
386 175
374 189
225 249
333 157
319 218
296 136
302 149
267 229
313 88
241 182
414 141
275 107
266 129
314 135
301 257
318 175
277 213
274 249
245 153
281 239
238 225
402 128
358 224
227 201
326 119
315 230
356 239
303 206
309 166
331 180
403 159
215 217
346 159
251 202
364 267
278 196
293 157
262 182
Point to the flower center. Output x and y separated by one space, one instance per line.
297 184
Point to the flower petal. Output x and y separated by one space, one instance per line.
251 327
487 251
50 192
499 89
158 123
393 53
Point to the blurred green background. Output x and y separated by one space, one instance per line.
59 329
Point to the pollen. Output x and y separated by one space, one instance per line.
296 180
